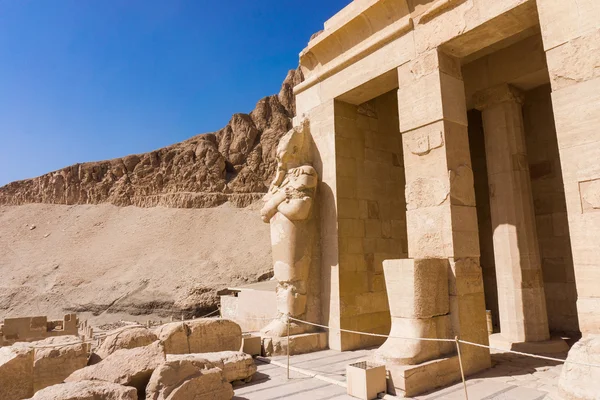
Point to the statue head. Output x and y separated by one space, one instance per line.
293 149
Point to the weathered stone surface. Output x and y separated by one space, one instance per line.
128 338
54 362
16 372
129 367
233 164
417 288
298 344
580 382
236 365
86 390
188 379
200 336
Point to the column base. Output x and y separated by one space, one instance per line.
554 345
299 344
580 382
412 380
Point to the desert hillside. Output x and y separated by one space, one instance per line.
153 234
234 164
111 260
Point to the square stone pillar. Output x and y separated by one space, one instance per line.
441 213
521 300
571 37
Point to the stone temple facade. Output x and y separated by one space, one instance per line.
456 146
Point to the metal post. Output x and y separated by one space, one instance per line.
288 347
462 373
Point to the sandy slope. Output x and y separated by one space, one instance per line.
127 259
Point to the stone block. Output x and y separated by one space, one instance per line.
188 379
54 363
429 232
16 372
299 344
466 277
128 367
200 336
420 101
127 338
562 21
251 344
417 288
236 365
577 60
86 390
587 310
554 345
576 115
412 380
588 277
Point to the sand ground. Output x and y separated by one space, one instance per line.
119 262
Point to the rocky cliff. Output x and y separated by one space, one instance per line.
234 164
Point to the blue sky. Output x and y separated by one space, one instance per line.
88 80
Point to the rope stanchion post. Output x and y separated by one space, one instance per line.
462 372
288 347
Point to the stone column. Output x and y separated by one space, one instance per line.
571 36
441 214
521 301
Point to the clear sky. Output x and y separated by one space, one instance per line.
86 80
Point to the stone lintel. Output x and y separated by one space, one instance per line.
496 95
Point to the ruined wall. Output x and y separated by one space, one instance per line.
28 329
371 211
550 211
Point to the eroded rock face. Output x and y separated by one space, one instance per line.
128 367
126 339
16 372
233 164
188 379
203 335
86 390
236 365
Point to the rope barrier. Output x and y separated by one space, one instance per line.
372 334
560 360
449 340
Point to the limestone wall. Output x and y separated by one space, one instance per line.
371 211
550 211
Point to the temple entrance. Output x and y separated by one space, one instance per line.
521 207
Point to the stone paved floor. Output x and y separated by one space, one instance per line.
512 377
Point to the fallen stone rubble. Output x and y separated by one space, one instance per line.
130 364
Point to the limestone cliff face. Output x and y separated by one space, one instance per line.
233 164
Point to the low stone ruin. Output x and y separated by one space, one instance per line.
131 363
29 329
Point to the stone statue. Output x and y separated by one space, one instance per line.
287 207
